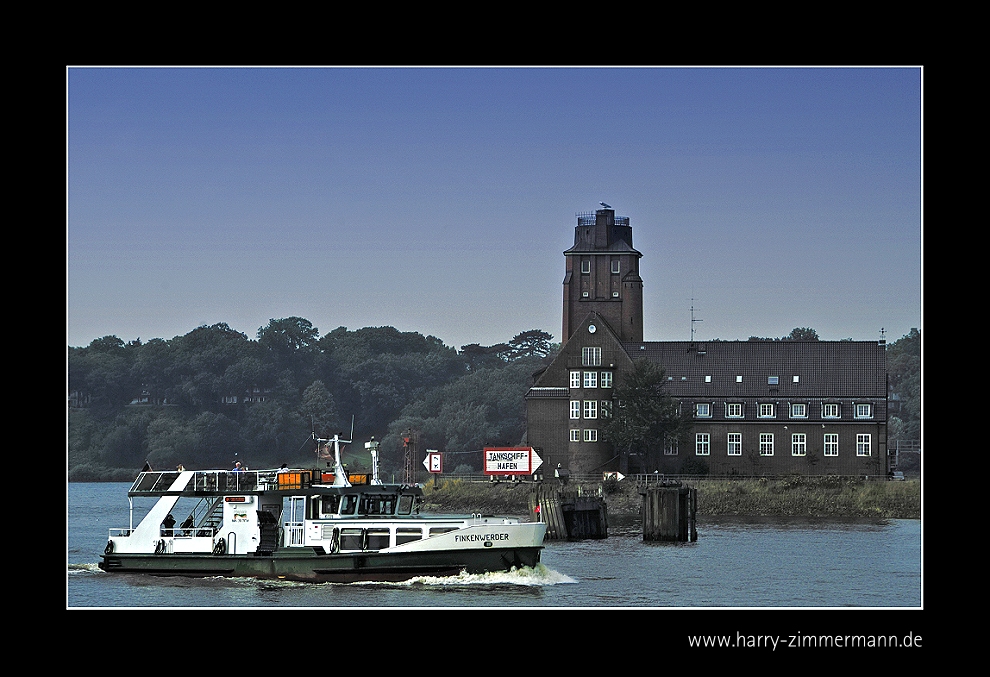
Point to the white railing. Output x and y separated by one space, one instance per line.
294 533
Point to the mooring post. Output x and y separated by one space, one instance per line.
669 513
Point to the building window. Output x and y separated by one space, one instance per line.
702 410
575 434
863 444
575 379
606 406
590 435
766 411
738 379
831 444
670 448
591 379
864 411
766 444
590 409
735 444
773 380
733 410
586 266
799 410
591 357
702 444
606 379
575 409
799 444
830 410
615 266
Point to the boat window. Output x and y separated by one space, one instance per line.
405 505
377 504
330 505
435 531
351 539
407 535
378 539
347 504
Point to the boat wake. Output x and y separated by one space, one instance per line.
537 576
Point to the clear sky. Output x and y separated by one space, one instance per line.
440 200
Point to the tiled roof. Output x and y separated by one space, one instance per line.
746 368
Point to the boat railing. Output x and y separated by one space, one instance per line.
294 533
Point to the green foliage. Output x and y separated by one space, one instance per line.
644 417
213 395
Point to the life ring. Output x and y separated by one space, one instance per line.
160 548
109 549
220 548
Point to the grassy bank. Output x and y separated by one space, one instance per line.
791 497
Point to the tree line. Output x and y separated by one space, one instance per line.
214 395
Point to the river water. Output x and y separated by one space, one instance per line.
735 564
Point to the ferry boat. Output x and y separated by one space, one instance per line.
307 525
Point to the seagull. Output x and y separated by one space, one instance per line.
605 205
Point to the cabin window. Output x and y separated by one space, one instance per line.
377 539
330 505
351 539
406 504
348 504
436 531
377 504
405 535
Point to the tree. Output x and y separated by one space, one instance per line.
531 343
644 417
319 410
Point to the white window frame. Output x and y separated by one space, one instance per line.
591 356
575 379
831 410
864 444
767 410
615 266
799 410
864 410
830 442
575 434
733 410
670 448
575 409
766 444
591 408
733 444
606 380
702 444
702 410
591 379
605 407
585 266
799 444
590 435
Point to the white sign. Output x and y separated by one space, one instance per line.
433 461
511 460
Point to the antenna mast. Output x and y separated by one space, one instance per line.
693 320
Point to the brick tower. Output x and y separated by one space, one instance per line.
602 276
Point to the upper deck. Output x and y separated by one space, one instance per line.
222 482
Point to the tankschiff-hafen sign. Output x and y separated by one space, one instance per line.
511 461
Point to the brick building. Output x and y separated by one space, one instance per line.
758 407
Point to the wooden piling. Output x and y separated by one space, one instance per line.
669 513
570 515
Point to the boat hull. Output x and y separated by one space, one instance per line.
307 564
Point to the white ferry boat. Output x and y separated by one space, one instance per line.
307 525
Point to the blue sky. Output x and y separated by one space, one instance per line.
440 200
